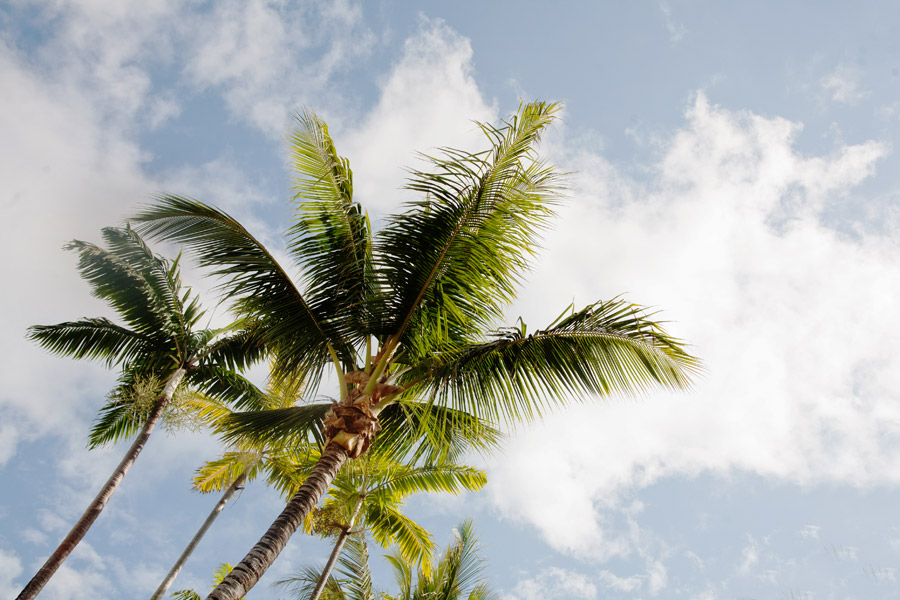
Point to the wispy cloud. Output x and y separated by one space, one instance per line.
843 84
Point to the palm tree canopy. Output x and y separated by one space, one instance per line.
428 289
160 334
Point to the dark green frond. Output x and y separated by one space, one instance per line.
260 288
118 419
330 235
606 348
123 287
226 385
297 424
96 339
453 259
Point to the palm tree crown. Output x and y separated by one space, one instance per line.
409 314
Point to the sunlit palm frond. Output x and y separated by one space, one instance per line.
606 348
452 260
217 475
330 235
428 432
389 526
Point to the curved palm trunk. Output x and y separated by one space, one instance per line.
179 564
335 553
97 505
246 573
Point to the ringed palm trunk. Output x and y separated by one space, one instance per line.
179 564
99 503
335 553
246 573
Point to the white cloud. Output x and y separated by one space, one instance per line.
749 556
430 99
676 29
269 57
843 84
552 583
790 317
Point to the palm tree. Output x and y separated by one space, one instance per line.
407 315
160 349
457 575
367 495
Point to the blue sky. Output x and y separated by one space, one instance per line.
733 164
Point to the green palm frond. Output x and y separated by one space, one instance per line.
120 418
119 284
446 478
260 288
217 475
92 338
428 432
162 279
453 259
330 235
226 385
606 348
297 424
389 526
354 569
458 571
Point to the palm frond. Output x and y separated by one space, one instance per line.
446 478
226 385
428 432
259 287
389 526
606 348
92 338
217 475
297 424
452 260
330 235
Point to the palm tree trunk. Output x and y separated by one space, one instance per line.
245 575
179 564
96 506
335 552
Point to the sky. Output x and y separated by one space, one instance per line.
733 165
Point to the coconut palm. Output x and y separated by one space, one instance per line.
161 350
410 314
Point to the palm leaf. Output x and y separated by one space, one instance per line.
606 348
330 235
260 288
453 258
217 475
388 525
95 339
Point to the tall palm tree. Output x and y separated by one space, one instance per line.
411 313
160 349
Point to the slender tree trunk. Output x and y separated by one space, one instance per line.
179 564
335 552
245 575
96 506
